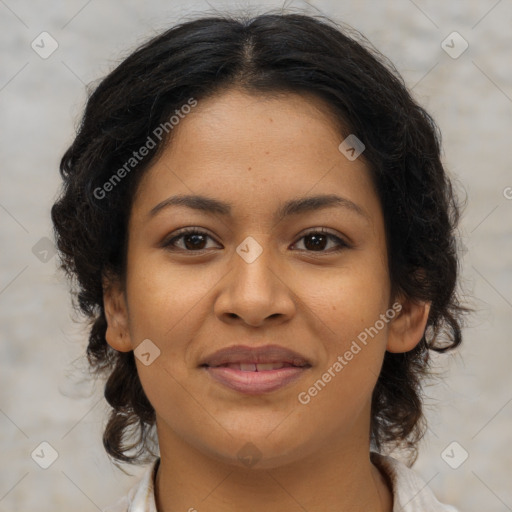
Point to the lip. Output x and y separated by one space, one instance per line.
224 367
255 383
262 355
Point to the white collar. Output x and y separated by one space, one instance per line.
410 492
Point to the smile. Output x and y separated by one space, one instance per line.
254 370
254 379
255 367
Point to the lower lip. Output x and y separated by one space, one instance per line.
254 383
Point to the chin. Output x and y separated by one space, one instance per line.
259 451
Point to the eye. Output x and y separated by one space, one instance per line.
194 240
316 241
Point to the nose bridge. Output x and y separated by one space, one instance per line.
253 264
255 290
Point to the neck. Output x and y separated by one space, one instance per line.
340 478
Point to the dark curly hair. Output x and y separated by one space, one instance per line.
265 54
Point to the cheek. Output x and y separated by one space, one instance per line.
348 302
165 302
341 387
164 306
158 292
347 299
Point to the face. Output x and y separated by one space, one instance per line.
283 285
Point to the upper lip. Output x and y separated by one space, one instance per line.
256 355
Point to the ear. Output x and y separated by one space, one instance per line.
116 313
407 328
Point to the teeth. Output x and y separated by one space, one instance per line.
247 367
256 367
269 366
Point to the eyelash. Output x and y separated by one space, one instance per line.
194 231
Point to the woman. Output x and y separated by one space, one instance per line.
262 234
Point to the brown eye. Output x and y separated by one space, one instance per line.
192 241
317 241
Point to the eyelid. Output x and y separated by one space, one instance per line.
190 230
324 231
342 242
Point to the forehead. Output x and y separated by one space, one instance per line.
256 151
240 123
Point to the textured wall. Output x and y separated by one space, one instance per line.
43 395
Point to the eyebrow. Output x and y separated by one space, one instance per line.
292 207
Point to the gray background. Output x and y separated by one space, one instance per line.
44 395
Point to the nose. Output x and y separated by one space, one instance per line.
257 290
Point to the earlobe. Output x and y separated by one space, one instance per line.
408 327
117 333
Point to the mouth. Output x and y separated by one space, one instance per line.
256 367
259 356
255 370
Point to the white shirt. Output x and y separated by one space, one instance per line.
410 492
